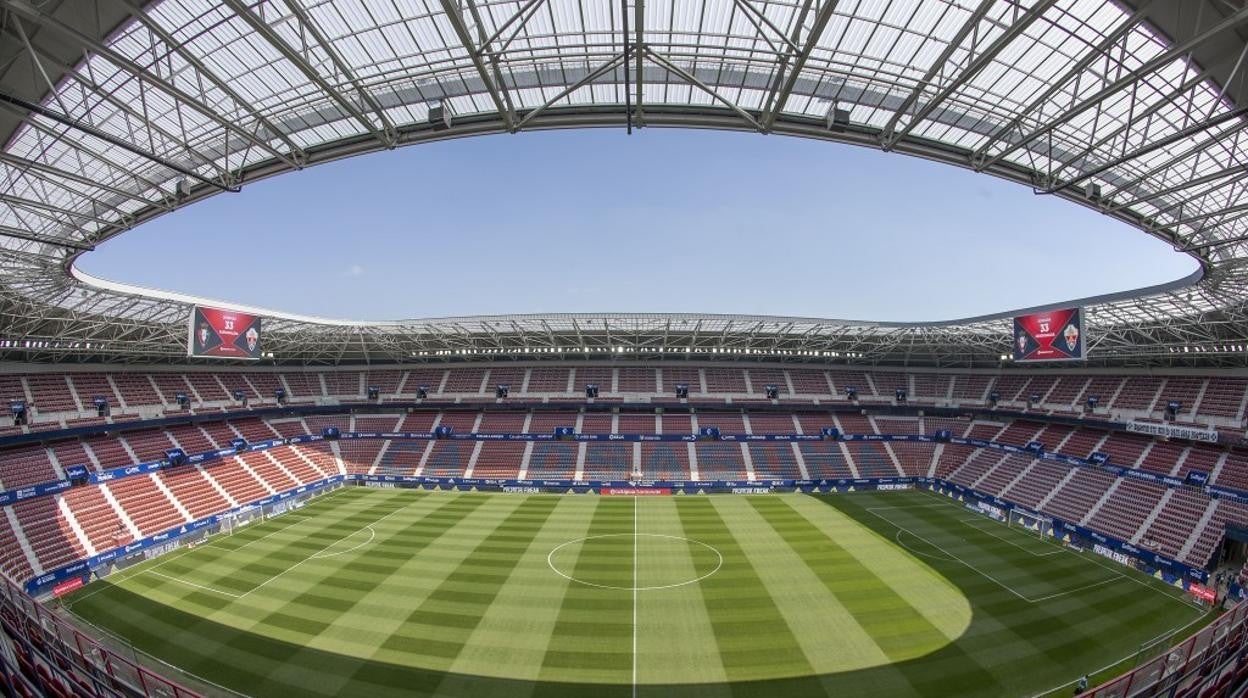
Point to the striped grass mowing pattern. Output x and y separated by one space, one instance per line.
399 592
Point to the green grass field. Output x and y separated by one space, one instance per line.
370 592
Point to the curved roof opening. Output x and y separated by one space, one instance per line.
664 220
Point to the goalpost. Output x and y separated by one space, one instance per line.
1040 525
230 523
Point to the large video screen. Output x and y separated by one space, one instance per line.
1054 335
223 334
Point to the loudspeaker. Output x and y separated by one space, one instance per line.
439 116
837 118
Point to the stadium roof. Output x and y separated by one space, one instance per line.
114 112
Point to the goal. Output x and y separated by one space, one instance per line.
232 522
1042 526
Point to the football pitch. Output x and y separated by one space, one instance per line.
389 592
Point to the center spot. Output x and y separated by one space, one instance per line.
635 561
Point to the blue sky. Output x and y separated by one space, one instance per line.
664 220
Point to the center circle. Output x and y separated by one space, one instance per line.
650 560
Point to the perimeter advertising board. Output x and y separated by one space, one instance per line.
1053 335
223 334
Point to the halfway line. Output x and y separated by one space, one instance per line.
635 538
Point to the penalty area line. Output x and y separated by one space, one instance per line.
953 557
1160 588
318 554
969 524
987 576
193 584
115 580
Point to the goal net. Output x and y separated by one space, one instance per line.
230 523
1042 526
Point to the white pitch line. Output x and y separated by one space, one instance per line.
1120 661
119 577
371 535
297 520
550 562
978 571
1058 551
984 574
197 586
283 529
635 539
1086 586
313 556
1093 558
167 558
897 537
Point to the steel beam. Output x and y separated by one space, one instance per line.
1175 137
1081 65
19 234
780 91
327 46
26 10
977 64
457 22
509 115
1174 52
22 163
1125 128
693 80
290 54
65 120
138 13
589 77
524 13
639 25
934 69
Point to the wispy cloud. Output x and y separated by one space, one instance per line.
354 270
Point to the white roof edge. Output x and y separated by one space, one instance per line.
161 294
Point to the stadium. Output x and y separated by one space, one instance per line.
203 498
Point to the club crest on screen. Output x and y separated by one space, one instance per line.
253 338
1071 333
